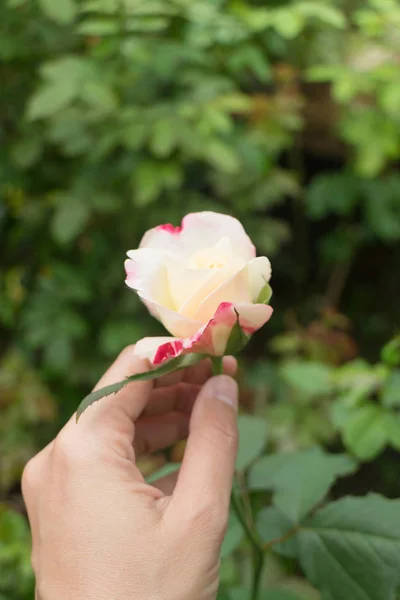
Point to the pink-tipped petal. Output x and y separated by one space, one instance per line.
198 230
147 347
212 227
212 338
253 316
169 228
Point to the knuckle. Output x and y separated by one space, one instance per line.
30 477
34 562
209 516
67 451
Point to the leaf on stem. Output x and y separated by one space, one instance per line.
176 364
351 548
252 440
300 480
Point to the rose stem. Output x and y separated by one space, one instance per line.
217 365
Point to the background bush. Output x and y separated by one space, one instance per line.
118 115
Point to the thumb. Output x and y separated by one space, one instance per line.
205 478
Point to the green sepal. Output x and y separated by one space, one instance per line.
265 295
176 364
237 339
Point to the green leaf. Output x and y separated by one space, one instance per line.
359 380
164 137
72 69
365 431
273 525
391 390
167 469
99 96
323 12
351 549
252 58
50 99
287 22
60 11
265 295
309 378
176 364
391 352
222 157
69 219
300 480
99 27
337 193
147 183
233 537
382 207
16 3
324 73
27 151
393 431
252 440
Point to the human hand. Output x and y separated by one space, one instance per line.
98 530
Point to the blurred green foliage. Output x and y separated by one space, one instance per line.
118 115
16 579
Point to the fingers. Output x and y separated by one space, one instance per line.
179 390
180 397
140 402
156 433
205 478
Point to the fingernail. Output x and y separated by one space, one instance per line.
226 389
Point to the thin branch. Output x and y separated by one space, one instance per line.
245 498
250 532
337 283
282 539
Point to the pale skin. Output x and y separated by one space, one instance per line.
99 532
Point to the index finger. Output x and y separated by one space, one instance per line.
129 402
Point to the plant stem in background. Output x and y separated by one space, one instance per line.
258 564
337 283
258 550
241 479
